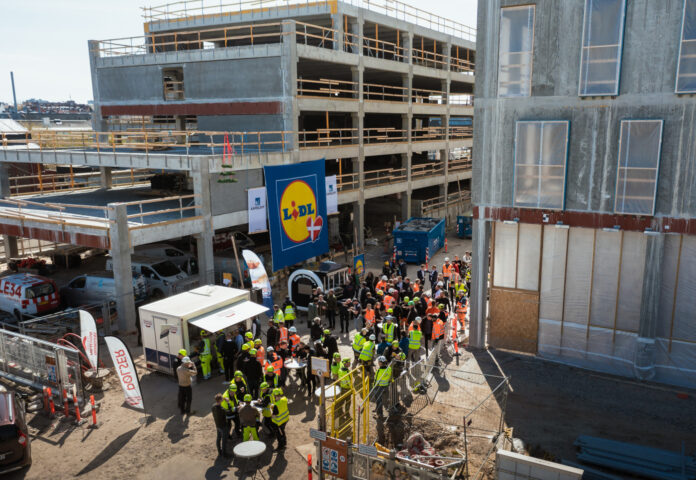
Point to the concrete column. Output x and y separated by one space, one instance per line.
444 188
406 195
98 123
359 222
204 239
291 115
9 241
355 29
119 238
105 177
337 21
479 283
644 364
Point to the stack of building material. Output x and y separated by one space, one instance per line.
630 458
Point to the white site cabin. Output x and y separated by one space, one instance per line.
173 323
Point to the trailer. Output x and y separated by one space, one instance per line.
176 322
418 236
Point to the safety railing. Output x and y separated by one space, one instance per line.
175 209
328 137
460 161
235 36
392 8
315 35
59 214
342 410
346 182
335 89
48 182
432 204
384 135
384 176
427 170
430 59
376 48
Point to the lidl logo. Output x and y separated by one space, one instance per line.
298 212
359 267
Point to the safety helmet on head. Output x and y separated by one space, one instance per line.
384 277
245 347
372 337
249 335
346 360
258 341
247 398
204 333
269 349
406 299
416 299
292 330
395 343
440 284
327 331
238 374
186 360
441 306
252 351
382 359
182 352
269 368
264 385
446 259
277 391
390 310
418 319
232 386
411 304
336 355
364 331
386 262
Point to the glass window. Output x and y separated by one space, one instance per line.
515 51
602 40
639 159
541 152
686 68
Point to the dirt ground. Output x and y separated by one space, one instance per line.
548 407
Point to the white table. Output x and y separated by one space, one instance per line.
250 450
294 364
329 392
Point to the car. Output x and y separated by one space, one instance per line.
99 287
185 261
15 443
242 241
161 275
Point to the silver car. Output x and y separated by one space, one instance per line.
99 287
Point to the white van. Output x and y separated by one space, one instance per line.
161 275
26 294
99 287
185 261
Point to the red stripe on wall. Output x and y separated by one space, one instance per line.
588 219
84 240
222 108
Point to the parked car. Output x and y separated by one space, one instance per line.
185 261
25 294
161 275
223 240
99 287
15 443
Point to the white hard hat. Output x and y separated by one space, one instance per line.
292 329
384 277
269 349
446 259
186 360
418 320
382 359
372 337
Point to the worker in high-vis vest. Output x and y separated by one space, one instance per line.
229 404
358 340
335 366
414 340
345 383
447 270
219 341
260 351
461 309
294 340
249 339
437 335
367 354
289 313
206 355
280 417
277 315
266 403
249 418
383 379
389 328
282 334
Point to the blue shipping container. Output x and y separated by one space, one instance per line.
415 235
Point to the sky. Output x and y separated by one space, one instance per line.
45 41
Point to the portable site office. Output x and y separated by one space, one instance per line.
174 323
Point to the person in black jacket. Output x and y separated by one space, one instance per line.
433 278
251 368
423 274
330 344
220 425
229 352
402 268
315 330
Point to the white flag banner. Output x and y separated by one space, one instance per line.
88 332
331 195
125 369
259 278
257 209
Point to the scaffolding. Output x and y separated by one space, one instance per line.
461 413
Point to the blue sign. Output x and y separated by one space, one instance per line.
297 212
359 265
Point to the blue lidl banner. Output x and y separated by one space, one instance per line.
297 212
359 265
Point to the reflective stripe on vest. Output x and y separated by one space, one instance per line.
283 335
206 347
388 329
335 367
345 382
370 315
368 350
278 316
277 365
289 313
447 271
438 329
383 377
260 355
283 412
294 341
358 341
414 339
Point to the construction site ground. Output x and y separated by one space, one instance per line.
549 406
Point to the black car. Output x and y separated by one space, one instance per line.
15 444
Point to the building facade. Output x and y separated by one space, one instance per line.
584 183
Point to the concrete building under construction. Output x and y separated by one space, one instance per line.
381 90
584 184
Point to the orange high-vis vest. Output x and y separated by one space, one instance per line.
447 270
389 301
416 288
261 355
277 363
432 310
369 318
438 329
381 285
283 336
294 341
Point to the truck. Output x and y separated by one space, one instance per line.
417 237
177 322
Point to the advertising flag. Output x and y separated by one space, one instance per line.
297 212
259 278
88 332
125 370
359 265
331 195
257 209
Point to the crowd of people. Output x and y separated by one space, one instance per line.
394 319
